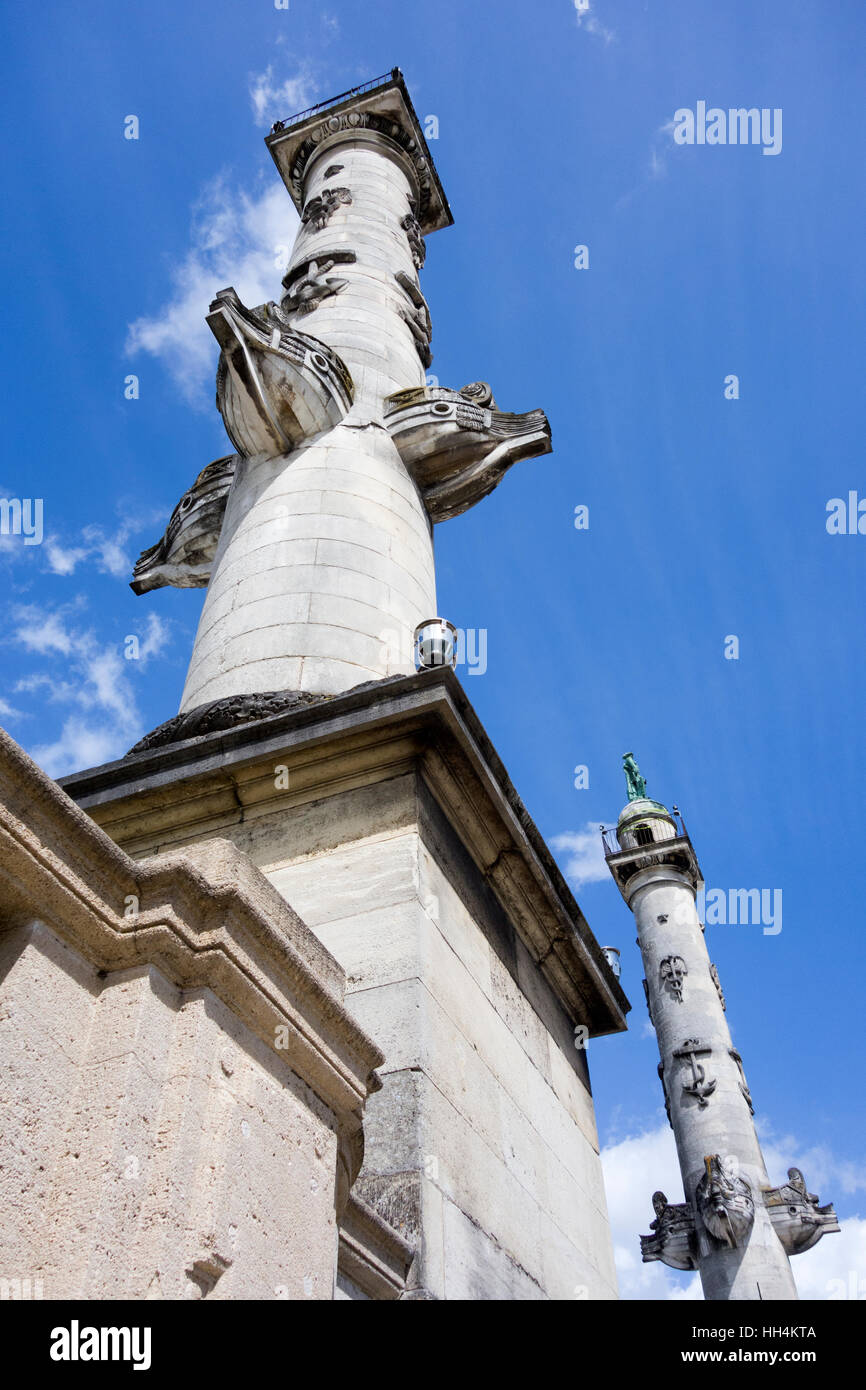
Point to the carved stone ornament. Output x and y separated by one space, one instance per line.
275 386
714 976
417 316
479 393
390 127
456 451
698 1086
308 284
661 1072
412 227
672 973
797 1219
319 210
332 170
183 556
725 1203
673 1238
744 1086
217 716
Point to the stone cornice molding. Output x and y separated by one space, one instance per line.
383 115
421 724
206 918
371 1253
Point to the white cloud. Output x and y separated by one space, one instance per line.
821 1167
91 676
639 1165
584 857
80 745
656 165
634 1169
835 1268
42 632
63 559
108 551
661 143
275 101
238 239
588 21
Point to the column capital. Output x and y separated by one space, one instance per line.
380 111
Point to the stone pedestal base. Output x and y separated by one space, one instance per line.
385 818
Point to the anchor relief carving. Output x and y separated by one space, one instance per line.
309 283
699 1086
321 209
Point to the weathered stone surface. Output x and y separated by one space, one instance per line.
401 843
370 796
456 450
183 556
797 1216
183 1083
345 460
370 739
384 114
726 1228
276 387
374 1259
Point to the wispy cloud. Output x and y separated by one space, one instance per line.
633 1169
837 1262
662 142
588 20
655 166
106 550
237 238
583 856
273 100
92 677
824 1170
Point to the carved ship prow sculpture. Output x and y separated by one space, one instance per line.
673 1235
457 445
797 1219
276 388
725 1209
183 556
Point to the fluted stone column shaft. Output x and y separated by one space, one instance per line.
663 902
325 561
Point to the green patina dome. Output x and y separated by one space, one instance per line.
642 808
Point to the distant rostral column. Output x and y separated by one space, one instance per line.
315 539
733 1227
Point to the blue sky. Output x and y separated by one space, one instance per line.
706 515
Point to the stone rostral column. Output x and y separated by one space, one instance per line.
315 538
734 1228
